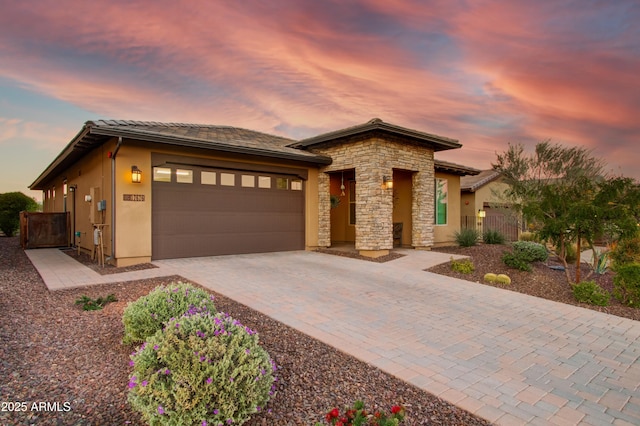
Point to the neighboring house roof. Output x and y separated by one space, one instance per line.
217 138
438 143
473 183
456 169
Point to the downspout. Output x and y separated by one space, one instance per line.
113 198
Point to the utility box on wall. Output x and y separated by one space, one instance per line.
102 205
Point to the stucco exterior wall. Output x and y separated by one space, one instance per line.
133 231
372 158
91 175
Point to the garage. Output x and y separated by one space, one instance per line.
225 208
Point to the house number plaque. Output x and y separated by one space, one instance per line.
133 197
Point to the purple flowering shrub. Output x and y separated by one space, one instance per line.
201 370
147 315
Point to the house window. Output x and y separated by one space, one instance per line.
296 185
264 182
248 181
162 174
207 178
227 179
352 202
184 176
442 200
65 189
282 183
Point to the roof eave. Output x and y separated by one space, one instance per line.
196 143
439 143
64 154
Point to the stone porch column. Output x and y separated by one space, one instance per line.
423 209
324 213
374 210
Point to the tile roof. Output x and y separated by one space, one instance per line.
446 166
438 143
204 136
473 183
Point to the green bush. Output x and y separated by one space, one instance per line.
149 313
490 277
626 284
530 251
202 369
464 266
592 293
503 279
11 204
493 237
89 304
514 260
626 251
467 237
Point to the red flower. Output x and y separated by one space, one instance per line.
333 414
396 409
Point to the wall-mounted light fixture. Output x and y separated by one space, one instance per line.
482 213
136 174
387 182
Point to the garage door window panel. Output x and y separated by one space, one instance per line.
208 178
227 179
162 174
264 182
184 176
248 181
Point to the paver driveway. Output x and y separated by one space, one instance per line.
507 357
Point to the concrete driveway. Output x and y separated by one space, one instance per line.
505 356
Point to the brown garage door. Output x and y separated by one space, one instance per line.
205 212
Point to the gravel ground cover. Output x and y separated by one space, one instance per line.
542 281
52 351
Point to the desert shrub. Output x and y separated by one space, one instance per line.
626 251
467 237
149 313
493 237
464 266
516 261
490 277
626 284
503 279
89 304
202 369
592 293
528 236
530 251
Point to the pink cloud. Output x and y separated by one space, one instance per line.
484 72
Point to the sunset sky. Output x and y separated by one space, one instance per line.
484 72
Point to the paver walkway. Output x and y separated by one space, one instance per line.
505 356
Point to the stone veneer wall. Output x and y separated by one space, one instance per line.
372 158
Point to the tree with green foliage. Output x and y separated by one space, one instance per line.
11 204
565 192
